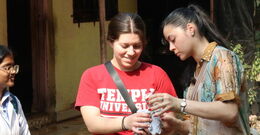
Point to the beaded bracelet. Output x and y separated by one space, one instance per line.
123 125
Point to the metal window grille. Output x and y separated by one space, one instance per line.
87 10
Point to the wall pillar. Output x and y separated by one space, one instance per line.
3 23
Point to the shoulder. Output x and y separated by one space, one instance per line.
220 51
153 69
95 73
15 102
9 97
13 97
222 54
95 70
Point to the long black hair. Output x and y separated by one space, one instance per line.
4 51
206 28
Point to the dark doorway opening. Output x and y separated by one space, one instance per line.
19 40
153 12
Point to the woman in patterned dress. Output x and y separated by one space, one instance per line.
214 99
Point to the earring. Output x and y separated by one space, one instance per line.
192 34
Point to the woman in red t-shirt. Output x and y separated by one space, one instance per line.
99 100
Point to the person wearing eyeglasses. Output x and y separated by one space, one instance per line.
12 119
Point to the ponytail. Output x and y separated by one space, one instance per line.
195 14
206 27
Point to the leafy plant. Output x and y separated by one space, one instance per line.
252 71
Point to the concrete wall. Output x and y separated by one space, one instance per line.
3 23
76 49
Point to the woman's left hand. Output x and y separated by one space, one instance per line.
164 101
168 123
172 125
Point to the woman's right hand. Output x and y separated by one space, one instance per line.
164 101
138 121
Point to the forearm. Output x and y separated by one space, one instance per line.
97 124
103 125
213 110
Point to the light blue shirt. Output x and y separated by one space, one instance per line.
12 122
224 81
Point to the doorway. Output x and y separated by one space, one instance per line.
19 41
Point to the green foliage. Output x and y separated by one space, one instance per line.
252 93
252 71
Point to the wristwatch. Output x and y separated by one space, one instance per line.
183 105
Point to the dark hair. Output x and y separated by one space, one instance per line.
206 28
4 51
194 14
126 23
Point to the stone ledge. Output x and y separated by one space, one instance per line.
40 120
67 114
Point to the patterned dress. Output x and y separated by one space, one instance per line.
221 79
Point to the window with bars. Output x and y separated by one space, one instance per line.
87 10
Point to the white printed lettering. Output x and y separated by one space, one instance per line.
145 106
111 106
102 91
105 106
117 107
119 96
143 93
111 95
135 93
138 106
124 107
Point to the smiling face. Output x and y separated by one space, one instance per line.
6 77
180 41
127 50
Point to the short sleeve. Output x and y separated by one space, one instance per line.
164 84
228 74
87 92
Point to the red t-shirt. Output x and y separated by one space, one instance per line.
98 89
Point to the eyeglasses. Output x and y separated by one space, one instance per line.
13 69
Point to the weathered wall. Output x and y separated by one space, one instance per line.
76 49
3 23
